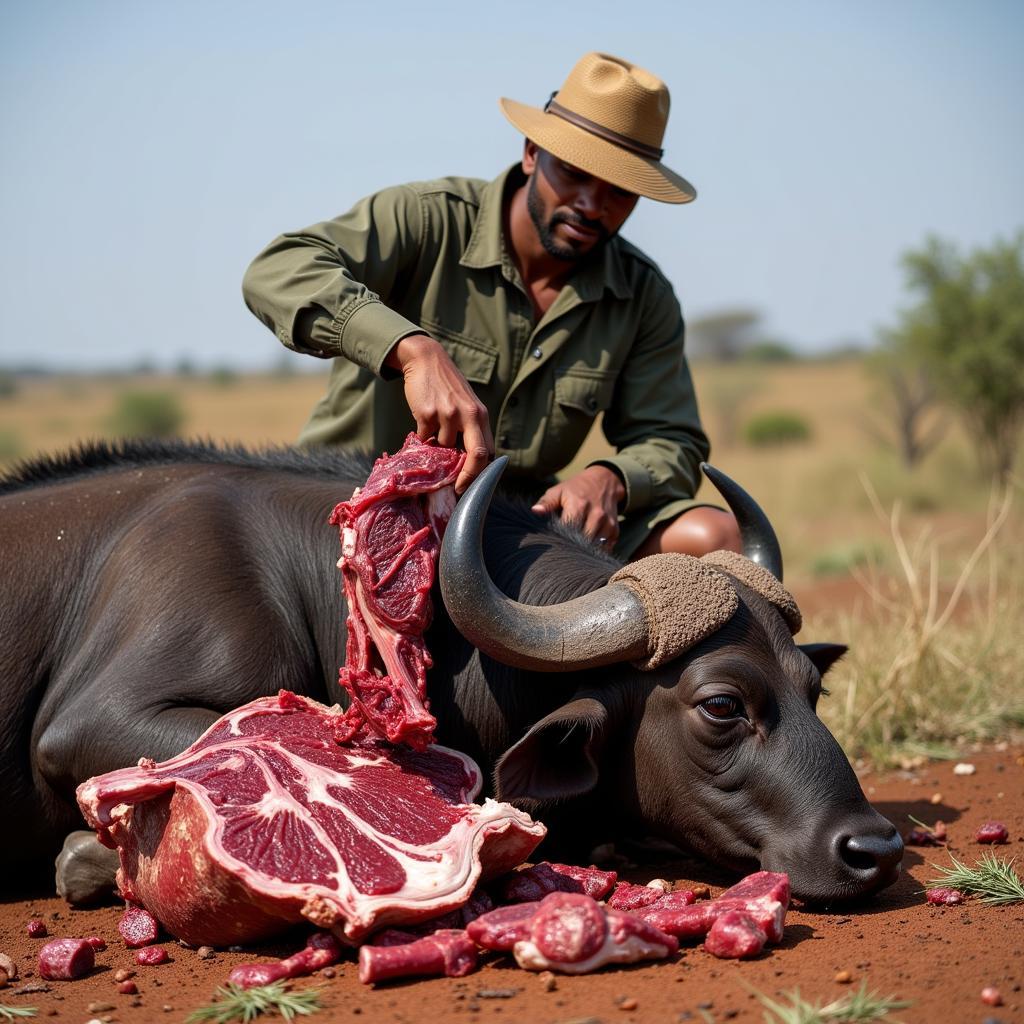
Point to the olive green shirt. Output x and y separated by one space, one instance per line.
430 258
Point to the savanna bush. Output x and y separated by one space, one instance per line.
771 428
147 414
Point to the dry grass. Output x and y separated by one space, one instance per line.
936 658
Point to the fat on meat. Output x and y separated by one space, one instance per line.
266 820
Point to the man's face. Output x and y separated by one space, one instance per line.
574 212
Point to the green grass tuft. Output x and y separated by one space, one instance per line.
992 879
860 1006
237 1004
17 1012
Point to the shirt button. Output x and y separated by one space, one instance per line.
536 353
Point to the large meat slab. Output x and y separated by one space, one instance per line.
391 530
267 820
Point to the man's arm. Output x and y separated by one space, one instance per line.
323 291
653 424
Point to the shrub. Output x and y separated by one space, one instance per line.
223 377
147 414
8 384
776 428
10 446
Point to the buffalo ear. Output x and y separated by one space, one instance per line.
823 656
557 759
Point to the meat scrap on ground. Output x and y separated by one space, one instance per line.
391 530
322 949
266 820
570 933
448 951
66 959
538 880
628 896
735 936
762 896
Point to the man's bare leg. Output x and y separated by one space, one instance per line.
695 532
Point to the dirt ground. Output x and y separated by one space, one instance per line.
940 958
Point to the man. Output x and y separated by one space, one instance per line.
453 306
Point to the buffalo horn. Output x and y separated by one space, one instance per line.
605 626
760 544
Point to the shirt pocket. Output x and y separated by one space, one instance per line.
475 359
580 394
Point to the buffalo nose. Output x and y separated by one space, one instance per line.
873 856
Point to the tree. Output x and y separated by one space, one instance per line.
907 401
968 334
723 336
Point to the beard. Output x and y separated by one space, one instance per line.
546 228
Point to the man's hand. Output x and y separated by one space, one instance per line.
443 403
590 500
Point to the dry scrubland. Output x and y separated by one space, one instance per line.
882 558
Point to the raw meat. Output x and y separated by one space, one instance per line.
322 950
762 896
391 531
150 956
66 959
448 951
536 882
992 832
944 896
138 927
570 933
735 936
633 897
265 820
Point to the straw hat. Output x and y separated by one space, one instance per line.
609 120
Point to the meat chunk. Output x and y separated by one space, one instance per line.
391 530
66 959
536 882
138 927
322 950
735 936
267 821
570 933
448 951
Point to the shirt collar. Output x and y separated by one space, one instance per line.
486 246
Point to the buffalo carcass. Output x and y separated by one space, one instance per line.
150 588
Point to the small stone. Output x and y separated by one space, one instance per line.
702 892
128 988
9 967
628 1004
991 996
547 981
236 949
205 952
661 884
99 1007
328 972
935 798
843 977
167 1008
122 974
964 768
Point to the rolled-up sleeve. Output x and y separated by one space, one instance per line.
319 290
653 422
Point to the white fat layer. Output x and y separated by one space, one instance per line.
629 951
442 870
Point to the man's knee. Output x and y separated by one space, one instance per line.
695 532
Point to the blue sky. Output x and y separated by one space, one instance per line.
149 150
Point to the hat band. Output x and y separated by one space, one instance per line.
640 148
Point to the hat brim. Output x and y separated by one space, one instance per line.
614 164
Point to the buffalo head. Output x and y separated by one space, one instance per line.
715 746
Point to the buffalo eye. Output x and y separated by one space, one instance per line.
722 707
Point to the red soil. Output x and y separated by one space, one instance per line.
939 957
